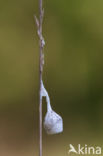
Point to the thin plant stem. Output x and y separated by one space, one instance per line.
41 62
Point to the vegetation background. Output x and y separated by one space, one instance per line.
73 74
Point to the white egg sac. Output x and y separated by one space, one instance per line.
53 123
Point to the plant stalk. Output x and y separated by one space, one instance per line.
40 74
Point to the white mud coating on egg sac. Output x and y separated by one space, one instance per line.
53 122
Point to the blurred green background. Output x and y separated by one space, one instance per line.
73 74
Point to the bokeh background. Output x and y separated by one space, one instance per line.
73 74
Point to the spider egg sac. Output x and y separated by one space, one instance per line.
53 123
